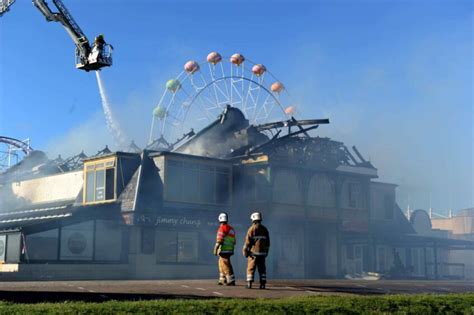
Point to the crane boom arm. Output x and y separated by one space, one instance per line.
65 18
5 6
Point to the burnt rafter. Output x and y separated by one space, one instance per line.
290 146
71 163
291 123
276 128
321 152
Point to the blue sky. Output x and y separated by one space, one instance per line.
394 77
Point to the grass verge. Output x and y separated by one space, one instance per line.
398 304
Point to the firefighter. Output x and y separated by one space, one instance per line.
224 248
256 247
99 43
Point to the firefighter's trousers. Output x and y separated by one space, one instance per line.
226 272
256 262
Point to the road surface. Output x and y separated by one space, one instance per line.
40 291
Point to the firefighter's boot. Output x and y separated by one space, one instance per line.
230 280
222 279
262 284
249 284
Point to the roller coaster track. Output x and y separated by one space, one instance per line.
23 146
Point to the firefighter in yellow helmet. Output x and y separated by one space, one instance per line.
224 248
256 247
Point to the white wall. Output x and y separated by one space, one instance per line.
53 188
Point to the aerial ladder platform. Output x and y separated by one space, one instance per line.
88 57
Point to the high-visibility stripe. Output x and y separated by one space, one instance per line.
259 253
259 237
249 277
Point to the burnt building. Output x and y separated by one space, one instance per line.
153 214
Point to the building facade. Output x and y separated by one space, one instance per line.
153 214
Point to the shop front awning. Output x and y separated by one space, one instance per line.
51 214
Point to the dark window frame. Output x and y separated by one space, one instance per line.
108 191
123 255
175 181
199 243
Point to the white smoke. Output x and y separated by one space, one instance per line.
112 124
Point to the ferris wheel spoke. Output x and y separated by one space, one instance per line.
249 95
208 103
204 107
209 100
166 113
215 87
196 87
225 82
265 110
237 92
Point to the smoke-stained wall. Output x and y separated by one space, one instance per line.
49 189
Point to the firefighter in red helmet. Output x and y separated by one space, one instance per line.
224 248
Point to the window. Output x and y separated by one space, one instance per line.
206 247
381 261
286 188
148 241
3 247
255 184
76 241
108 240
322 191
100 240
100 181
388 206
13 248
350 251
291 249
197 182
42 245
354 195
166 243
187 247
174 246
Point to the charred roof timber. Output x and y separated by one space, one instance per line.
73 163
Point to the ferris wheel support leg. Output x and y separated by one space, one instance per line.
150 140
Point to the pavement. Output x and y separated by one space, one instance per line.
99 291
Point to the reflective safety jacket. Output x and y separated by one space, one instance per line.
257 240
226 239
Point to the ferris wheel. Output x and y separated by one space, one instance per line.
202 91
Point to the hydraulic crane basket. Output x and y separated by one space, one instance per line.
87 58
97 58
